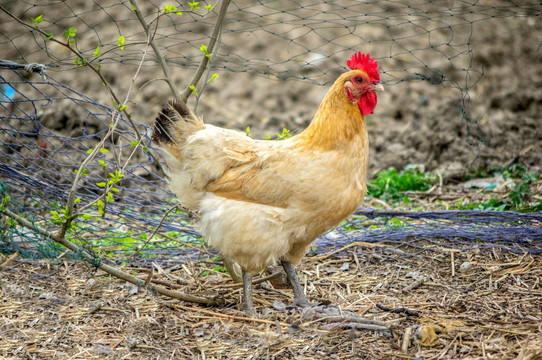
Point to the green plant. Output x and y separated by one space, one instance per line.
517 199
37 20
282 136
391 185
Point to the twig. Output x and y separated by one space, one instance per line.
224 316
352 244
406 339
9 260
210 46
158 53
97 262
415 284
354 318
398 310
154 232
254 282
357 326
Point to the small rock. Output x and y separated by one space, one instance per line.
199 332
131 287
103 350
465 266
266 311
279 306
414 167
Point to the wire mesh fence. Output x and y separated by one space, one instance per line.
47 128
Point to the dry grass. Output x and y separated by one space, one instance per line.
490 310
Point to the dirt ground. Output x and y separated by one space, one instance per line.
415 122
472 306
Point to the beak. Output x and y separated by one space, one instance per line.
378 87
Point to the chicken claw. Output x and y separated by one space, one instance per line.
299 295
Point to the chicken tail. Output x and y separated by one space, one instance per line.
175 123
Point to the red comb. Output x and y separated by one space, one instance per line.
366 63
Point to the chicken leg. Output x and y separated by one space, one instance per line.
299 295
248 303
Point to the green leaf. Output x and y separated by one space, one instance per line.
193 88
37 20
247 131
101 206
171 8
83 172
103 163
120 42
55 215
80 61
70 33
96 52
101 184
209 7
50 36
194 5
213 78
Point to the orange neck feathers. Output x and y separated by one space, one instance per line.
337 121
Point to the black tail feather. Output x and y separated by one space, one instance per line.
165 132
181 108
160 133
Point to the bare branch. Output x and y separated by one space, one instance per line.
97 262
210 46
159 55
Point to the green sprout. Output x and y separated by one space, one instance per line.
37 20
171 8
193 88
194 5
120 42
70 34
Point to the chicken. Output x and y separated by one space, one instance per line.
260 201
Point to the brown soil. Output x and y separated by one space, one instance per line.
490 308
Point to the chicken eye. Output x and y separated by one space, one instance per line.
359 80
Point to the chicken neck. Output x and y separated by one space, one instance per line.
337 122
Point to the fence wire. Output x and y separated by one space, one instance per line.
39 164
307 40
41 147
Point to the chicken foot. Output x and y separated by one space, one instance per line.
248 302
299 295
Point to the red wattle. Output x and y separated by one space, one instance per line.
367 103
